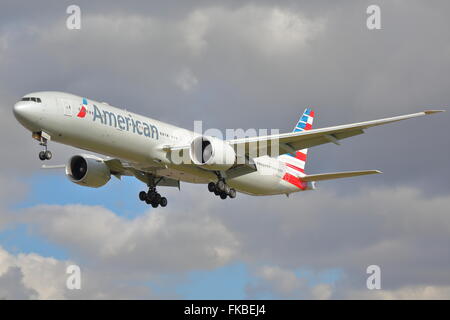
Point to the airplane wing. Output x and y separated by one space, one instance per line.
120 168
337 175
290 142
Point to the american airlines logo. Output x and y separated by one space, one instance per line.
83 110
122 122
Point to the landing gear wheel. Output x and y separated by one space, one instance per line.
142 195
42 155
151 194
153 198
216 192
221 185
48 155
232 193
223 196
155 204
211 187
227 189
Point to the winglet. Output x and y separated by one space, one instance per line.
433 111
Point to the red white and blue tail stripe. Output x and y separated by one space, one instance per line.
295 162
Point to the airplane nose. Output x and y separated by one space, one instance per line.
22 110
26 113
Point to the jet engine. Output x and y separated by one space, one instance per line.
212 153
88 171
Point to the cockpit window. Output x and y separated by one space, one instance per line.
38 100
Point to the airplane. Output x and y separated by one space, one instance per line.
150 150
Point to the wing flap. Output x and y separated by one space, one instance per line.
120 168
337 175
240 170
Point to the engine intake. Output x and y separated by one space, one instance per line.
212 153
88 171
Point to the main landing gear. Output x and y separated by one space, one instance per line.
221 189
153 198
43 140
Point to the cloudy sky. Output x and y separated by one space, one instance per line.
233 64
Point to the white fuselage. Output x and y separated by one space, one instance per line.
136 139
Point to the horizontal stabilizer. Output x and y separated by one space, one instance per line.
337 175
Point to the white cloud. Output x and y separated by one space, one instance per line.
284 281
322 291
12 286
160 241
286 31
186 80
268 30
31 276
396 228
285 284
43 278
404 293
194 30
45 275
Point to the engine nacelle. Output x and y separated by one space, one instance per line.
212 153
88 171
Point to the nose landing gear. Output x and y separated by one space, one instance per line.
43 139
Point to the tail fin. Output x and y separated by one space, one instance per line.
306 120
296 162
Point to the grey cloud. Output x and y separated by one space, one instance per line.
285 284
12 286
400 229
170 241
407 292
31 276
